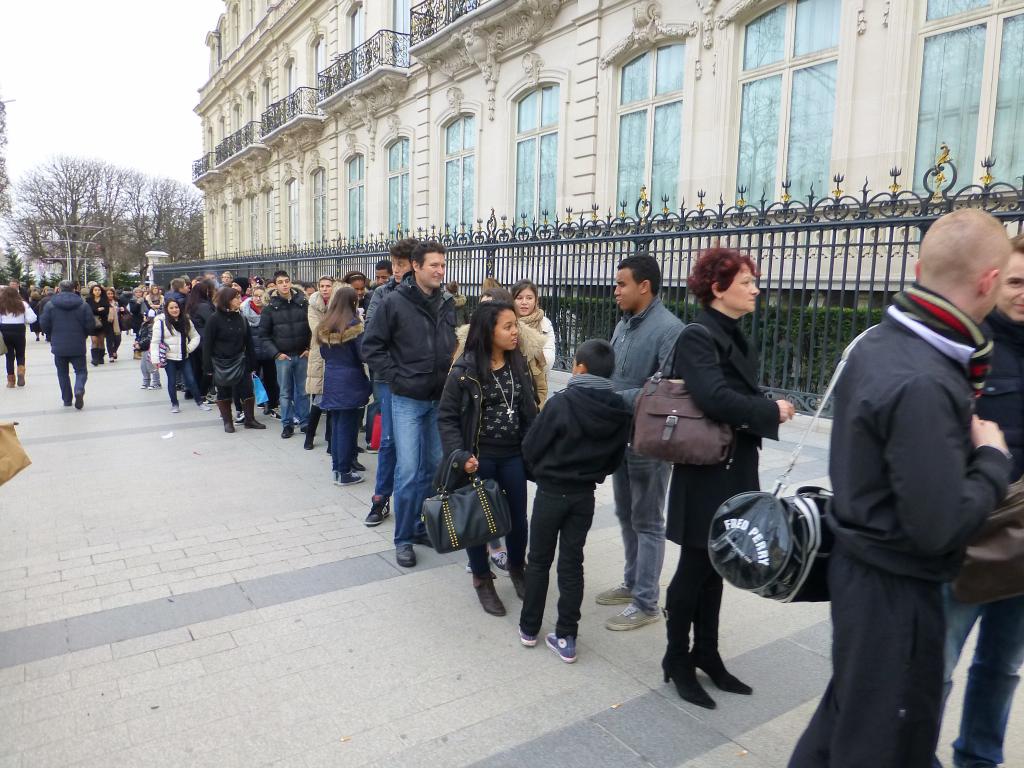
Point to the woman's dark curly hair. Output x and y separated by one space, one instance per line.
717 266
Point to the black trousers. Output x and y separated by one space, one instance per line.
64 378
237 392
14 338
883 706
693 599
561 520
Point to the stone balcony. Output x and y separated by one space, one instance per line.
245 142
296 115
381 64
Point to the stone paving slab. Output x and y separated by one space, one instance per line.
293 640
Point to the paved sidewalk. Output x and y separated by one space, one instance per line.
174 596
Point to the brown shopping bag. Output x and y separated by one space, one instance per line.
13 458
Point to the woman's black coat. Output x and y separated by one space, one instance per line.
460 409
723 382
100 309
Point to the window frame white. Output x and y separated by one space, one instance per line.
358 186
291 188
459 156
537 134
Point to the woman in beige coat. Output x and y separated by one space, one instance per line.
315 365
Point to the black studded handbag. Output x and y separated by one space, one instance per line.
470 515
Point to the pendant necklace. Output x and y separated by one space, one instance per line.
509 404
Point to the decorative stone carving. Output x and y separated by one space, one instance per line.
698 70
648 30
455 97
532 65
394 123
862 21
885 14
350 141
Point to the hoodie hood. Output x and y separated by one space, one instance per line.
603 414
66 301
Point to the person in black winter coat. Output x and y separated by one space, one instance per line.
720 367
67 321
576 442
100 308
228 353
487 406
284 324
199 307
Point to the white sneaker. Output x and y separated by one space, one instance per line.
144 386
204 407
175 409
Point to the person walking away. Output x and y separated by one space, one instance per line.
285 326
719 365
174 331
34 298
409 344
384 483
643 340
993 674
252 308
100 308
230 357
137 310
67 321
113 334
487 406
199 307
315 365
150 373
914 474
15 315
576 442
346 388
43 301
527 300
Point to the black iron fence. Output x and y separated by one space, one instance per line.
245 136
385 48
301 101
828 265
430 17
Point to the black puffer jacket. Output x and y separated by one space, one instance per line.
407 346
1002 400
284 324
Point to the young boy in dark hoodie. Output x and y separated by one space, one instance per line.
574 443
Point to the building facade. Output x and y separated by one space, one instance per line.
356 118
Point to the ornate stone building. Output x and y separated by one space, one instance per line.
356 117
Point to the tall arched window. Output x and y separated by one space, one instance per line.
252 105
268 217
790 58
292 196
355 177
289 77
251 13
459 171
224 229
651 126
357 26
319 58
537 152
222 127
398 186
266 93
254 221
238 225
238 117
236 27
209 140
319 205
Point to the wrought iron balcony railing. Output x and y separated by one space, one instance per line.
302 101
431 16
387 48
203 165
246 135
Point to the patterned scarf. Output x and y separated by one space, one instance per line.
945 319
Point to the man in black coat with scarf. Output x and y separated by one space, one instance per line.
915 473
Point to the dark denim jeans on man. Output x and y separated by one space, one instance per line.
510 474
64 377
417 453
344 424
291 378
992 678
385 484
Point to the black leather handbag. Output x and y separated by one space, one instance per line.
227 372
467 516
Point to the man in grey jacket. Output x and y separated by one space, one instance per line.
643 340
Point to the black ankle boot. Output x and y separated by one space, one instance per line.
311 425
681 672
711 664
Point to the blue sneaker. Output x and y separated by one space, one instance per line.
565 647
528 640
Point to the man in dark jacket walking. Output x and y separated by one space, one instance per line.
409 344
915 473
67 321
284 324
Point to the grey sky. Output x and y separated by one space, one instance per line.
115 80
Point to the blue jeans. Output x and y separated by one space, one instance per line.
183 367
291 378
418 453
385 484
639 486
510 474
64 378
992 678
344 425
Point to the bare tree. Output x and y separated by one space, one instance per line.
5 183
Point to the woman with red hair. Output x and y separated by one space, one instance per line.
720 367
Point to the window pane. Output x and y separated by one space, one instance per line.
453 138
636 77
817 26
632 148
668 128
405 153
1008 141
468 178
759 136
810 129
950 94
764 39
452 191
528 113
404 209
670 69
548 174
469 132
549 112
395 156
394 203
526 183
938 9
